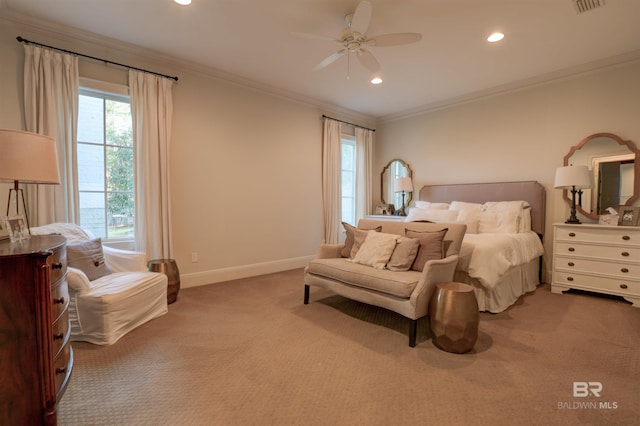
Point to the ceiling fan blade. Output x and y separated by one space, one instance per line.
368 60
361 17
385 40
329 59
315 36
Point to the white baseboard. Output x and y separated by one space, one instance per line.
196 279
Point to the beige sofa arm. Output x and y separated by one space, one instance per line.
329 251
435 271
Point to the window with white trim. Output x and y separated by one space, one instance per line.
348 175
105 164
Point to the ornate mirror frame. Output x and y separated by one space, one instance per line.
386 182
636 178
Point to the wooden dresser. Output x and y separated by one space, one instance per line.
603 259
35 350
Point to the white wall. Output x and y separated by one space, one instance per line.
245 164
522 135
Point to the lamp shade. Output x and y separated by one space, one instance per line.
568 177
28 157
403 185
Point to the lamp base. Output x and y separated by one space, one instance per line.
573 220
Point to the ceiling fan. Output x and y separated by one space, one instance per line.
354 39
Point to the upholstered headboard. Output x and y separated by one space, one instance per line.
529 191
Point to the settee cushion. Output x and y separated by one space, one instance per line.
399 284
376 249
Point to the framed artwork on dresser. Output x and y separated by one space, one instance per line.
629 216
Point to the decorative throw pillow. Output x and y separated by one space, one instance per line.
349 239
88 257
404 254
430 205
376 249
431 246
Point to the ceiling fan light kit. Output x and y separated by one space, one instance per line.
353 39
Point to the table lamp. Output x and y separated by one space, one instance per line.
574 179
26 157
403 185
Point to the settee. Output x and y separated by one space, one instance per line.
405 282
111 291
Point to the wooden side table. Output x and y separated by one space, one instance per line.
170 269
454 317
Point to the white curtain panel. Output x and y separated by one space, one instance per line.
331 181
152 110
51 88
364 183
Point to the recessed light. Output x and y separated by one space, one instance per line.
183 2
376 80
495 37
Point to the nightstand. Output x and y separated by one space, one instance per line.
598 258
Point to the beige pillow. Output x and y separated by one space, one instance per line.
376 249
349 239
88 257
404 254
431 246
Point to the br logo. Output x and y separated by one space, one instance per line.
584 389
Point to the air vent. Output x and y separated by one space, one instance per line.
583 6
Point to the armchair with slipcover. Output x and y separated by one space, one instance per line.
111 291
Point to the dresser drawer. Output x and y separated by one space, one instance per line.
595 283
618 269
62 365
58 264
622 235
61 332
59 298
579 248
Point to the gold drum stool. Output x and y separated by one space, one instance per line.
454 317
170 269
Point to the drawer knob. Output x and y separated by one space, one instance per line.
572 249
57 265
59 301
625 270
572 234
626 237
569 278
571 264
58 336
61 370
624 286
625 254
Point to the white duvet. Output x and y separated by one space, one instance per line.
487 257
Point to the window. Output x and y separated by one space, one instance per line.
348 158
105 164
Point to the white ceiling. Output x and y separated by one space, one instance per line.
252 39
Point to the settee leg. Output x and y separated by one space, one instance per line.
413 327
306 294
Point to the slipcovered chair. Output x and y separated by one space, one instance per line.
111 291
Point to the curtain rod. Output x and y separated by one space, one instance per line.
24 40
346 122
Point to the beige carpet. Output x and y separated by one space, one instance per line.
248 352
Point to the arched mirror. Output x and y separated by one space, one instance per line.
395 169
615 167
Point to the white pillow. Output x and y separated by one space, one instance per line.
521 206
376 249
501 222
430 205
432 215
463 205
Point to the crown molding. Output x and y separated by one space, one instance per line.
87 43
520 85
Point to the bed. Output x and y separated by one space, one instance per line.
500 266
